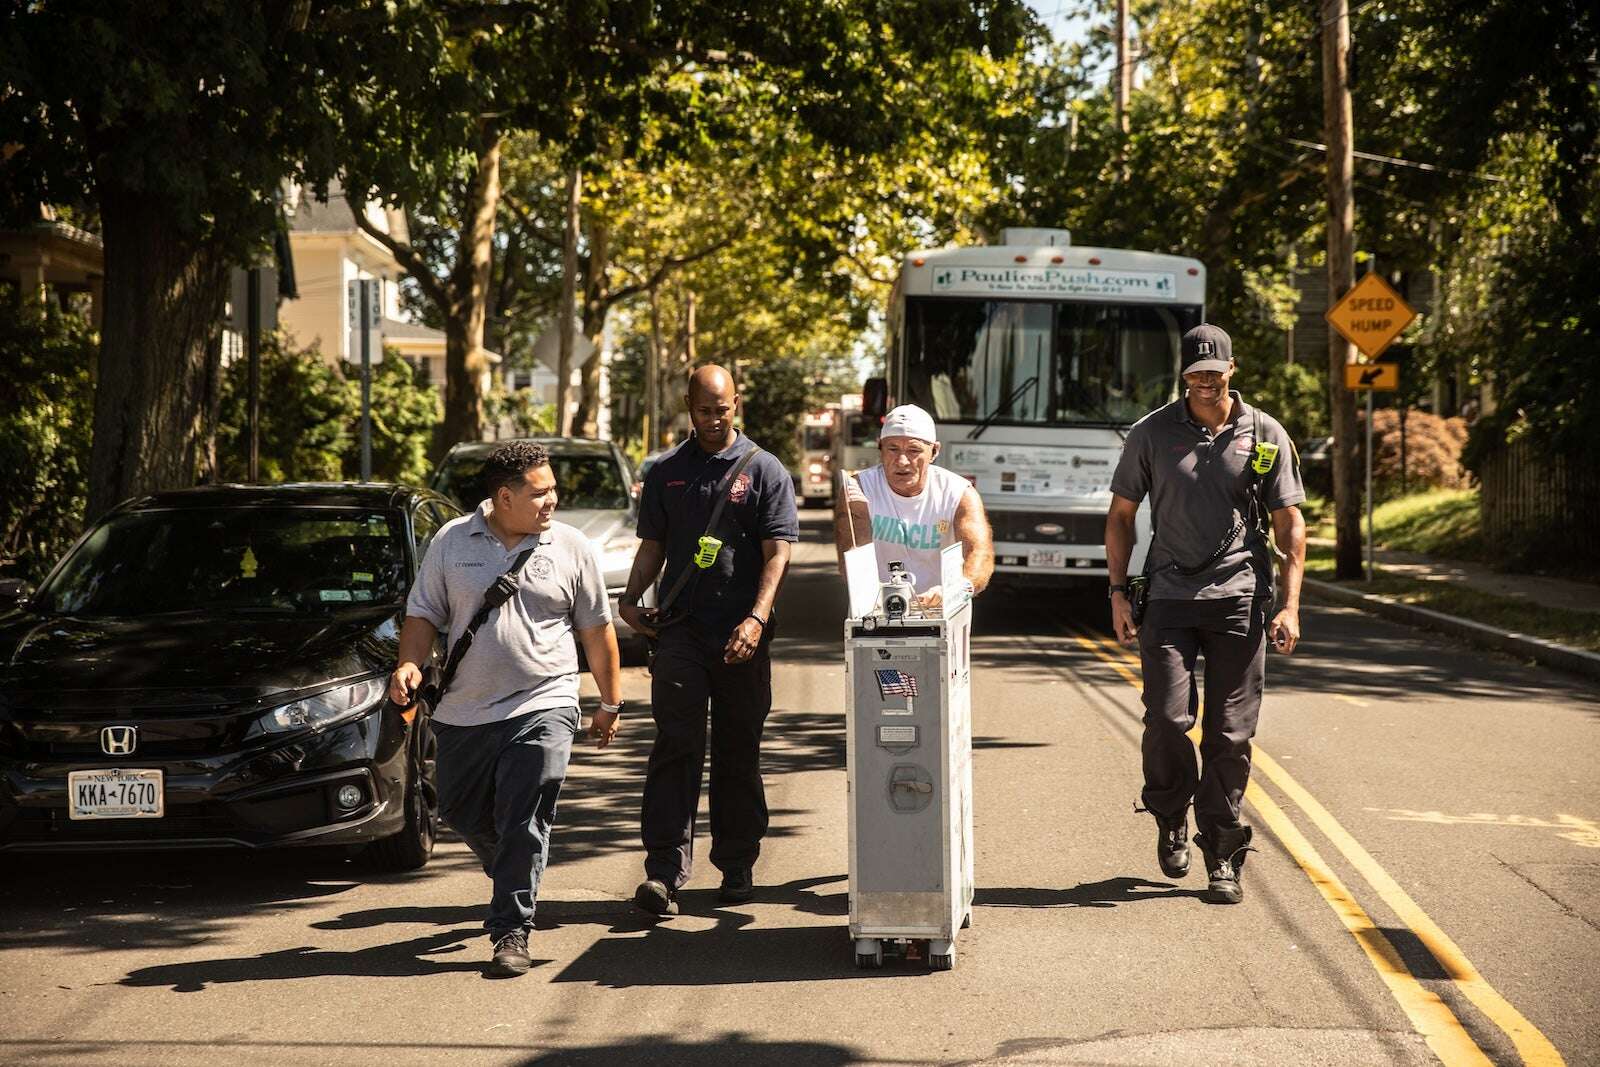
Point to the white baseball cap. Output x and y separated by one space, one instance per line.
908 420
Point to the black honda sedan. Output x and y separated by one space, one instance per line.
207 668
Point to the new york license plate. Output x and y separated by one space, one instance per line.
114 794
1046 557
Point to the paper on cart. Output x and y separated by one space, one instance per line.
861 577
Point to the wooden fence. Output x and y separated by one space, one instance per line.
1533 497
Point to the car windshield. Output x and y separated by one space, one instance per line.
275 560
818 438
1038 362
582 481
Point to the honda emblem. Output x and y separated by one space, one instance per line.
119 740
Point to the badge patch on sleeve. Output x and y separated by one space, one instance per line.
1266 456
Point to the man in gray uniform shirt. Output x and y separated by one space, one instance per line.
1215 469
505 727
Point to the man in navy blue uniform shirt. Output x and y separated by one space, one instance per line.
712 641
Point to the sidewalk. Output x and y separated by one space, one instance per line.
1527 590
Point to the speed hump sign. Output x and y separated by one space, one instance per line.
1371 315
1372 377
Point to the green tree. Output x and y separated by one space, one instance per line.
46 408
308 410
175 124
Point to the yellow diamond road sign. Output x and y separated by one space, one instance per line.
1371 315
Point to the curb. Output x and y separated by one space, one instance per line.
1537 649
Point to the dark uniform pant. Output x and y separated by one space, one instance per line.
498 787
1231 635
686 674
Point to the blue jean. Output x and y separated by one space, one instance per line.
498 786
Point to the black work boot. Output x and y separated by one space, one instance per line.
738 886
1172 845
655 897
1225 852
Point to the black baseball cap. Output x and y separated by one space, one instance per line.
1207 347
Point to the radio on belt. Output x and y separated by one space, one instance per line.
909 759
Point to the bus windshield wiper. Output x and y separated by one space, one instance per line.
1005 406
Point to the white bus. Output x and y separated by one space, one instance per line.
1034 357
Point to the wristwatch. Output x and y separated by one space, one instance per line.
1123 589
758 618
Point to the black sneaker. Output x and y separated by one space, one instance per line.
1172 846
1225 852
654 897
510 955
738 886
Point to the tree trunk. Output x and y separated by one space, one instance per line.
652 377
163 299
596 307
464 358
565 310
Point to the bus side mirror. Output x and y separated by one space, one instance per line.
875 398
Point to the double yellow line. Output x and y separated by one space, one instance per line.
1444 1032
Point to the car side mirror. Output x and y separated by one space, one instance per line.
14 593
875 398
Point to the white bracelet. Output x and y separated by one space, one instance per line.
610 709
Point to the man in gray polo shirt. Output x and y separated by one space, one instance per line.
505 726
1216 471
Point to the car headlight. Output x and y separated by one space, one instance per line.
327 708
815 468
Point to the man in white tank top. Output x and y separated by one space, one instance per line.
909 510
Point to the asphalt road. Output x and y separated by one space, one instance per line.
1427 889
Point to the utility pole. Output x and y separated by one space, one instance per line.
252 347
365 327
1337 132
1123 89
569 292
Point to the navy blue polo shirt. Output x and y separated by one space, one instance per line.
679 495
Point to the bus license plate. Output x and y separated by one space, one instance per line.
115 794
1047 557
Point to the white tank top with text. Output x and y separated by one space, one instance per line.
913 529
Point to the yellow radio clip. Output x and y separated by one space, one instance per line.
1266 456
707 555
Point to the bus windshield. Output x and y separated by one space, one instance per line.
1042 363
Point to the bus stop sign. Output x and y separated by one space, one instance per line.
1371 315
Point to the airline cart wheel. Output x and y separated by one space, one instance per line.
869 954
941 955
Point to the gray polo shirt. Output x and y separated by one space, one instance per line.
524 658
1199 486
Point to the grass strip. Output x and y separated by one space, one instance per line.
1577 629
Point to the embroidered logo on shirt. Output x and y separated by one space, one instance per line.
740 489
541 566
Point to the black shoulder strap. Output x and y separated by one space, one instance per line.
1251 518
502 590
716 514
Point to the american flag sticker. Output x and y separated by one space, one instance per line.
896 684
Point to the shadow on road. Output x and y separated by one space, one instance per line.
172 899
1105 894
732 952
401 959
660 1049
